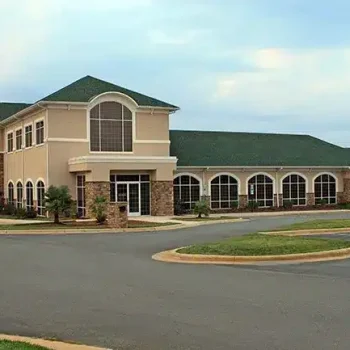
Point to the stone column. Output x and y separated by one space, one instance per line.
243 201
162 198
310 199
94 189
346 187
117 215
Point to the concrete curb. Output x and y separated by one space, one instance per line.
124 230
321 231
174 257
54 345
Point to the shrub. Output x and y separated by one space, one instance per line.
253 205
57 201
321 202
99 208
234 205
31 213
344 205
201 208
21 213
9 209
287 204
179 208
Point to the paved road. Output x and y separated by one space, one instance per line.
105 290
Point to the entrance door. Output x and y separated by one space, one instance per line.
130 192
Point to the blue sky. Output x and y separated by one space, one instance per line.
252 65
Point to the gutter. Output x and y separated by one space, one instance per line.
278 167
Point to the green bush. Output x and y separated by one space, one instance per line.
9 209
99 208
288 204
234 205
201 208
31 213
344 205
321 202
253 205
21 213
57 201
179 207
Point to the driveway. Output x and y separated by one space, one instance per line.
105 290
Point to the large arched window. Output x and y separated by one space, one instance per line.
260 190
294 189
29 195
224 192
11 193
19 194
110 128
186 191
40 188
325 189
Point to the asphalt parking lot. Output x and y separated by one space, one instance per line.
105 289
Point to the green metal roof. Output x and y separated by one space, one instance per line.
210 148
84 89
7 109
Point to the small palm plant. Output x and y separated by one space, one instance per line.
201 208
57 201
99 208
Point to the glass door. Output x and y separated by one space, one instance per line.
134 199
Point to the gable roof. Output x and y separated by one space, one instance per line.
84 89
7 109
210 148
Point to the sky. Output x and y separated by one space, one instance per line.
232 65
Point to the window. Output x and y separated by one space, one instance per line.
186 191
19 139
10 142
81 204
19 195
110 128
39 137
11 194
40 188
29 196
28 135
224 192
260 190
325 189
294 189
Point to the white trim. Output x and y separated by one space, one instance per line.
17 182
153 141
24 128
47 145
25 190
194 176
7 141
121 159
273 185
40 179
8 182
113 96
293 173
64 139
244 168
229 174
7 189
15 138
326 173
41 119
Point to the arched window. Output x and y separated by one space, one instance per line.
224 192
110 128
294 189
40 188
19 195
325 189
186 191
11 193
29 195
260 190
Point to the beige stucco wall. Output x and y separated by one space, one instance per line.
28 163
207 175
152 126
65 123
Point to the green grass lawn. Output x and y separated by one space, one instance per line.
208 218
316 224
10 345
258 244
78 225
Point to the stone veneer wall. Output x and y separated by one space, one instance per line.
162 198
243 201
93 189
310 198
117 215
346 191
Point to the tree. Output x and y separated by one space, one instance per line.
201 208
57 201
99 208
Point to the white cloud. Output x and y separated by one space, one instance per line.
288 82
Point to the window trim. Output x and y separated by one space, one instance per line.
8 192
34 140
7 142
117 97
195 177
15 143
273 186
23 190
25 193
336 185
24 128
299 198
35 197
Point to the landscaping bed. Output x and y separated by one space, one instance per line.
207 218
16 345
316 224
262 245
